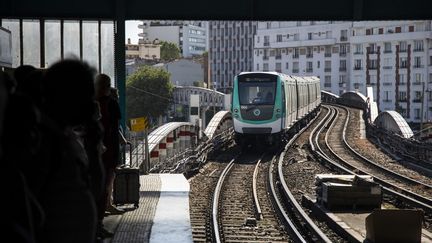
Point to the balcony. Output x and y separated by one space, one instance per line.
387 51
295 70
278 57
343 38
342 54
416 83
418 66
418 50
387 67
358 68
309 70
327 55
402 50
295 56
358 53
265 57
417 100
373 68
387 84
342 69
309 55
327 69
266 43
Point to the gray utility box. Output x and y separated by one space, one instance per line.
348 192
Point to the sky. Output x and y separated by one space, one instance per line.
132 31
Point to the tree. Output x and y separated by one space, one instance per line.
148 92
169 51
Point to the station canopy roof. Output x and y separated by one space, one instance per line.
219 9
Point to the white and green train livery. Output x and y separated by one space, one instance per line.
266 105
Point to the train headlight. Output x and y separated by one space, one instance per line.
236 110
278 116
278 110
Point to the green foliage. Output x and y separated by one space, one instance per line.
148 92
199 84
169 51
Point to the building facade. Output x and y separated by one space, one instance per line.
147 51
394 57
231 51
190 36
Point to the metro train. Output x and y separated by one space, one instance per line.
267 106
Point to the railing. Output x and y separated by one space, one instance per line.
295 70
358 68
327 54
342 54
309 70
342 69
343 38
309 55
327 69
186 161
387 67
295 56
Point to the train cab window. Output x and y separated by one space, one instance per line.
257 91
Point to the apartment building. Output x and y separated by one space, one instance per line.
391 56
147 51
190 36
231 51
395 58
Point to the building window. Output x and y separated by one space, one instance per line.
295 67
268 25
266 40
279 38
418 78
402 96
373 48
327 51
417 96
387 47
358 49
296 37
387 96
344 35
278 67
402 46
328 34
265 67
309 36
373 64
327 81
357 64
342 79
418 45
327 66
296 53
278 54
418 62
318 64
403 62
309 52
309 67
287 65
342 65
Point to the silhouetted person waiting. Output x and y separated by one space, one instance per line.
64 185
110 119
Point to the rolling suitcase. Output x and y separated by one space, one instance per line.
126 182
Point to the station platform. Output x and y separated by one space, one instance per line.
162 215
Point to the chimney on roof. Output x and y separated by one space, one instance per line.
129 41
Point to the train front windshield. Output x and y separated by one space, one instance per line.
257 92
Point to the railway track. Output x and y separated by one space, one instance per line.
242 212
333 148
